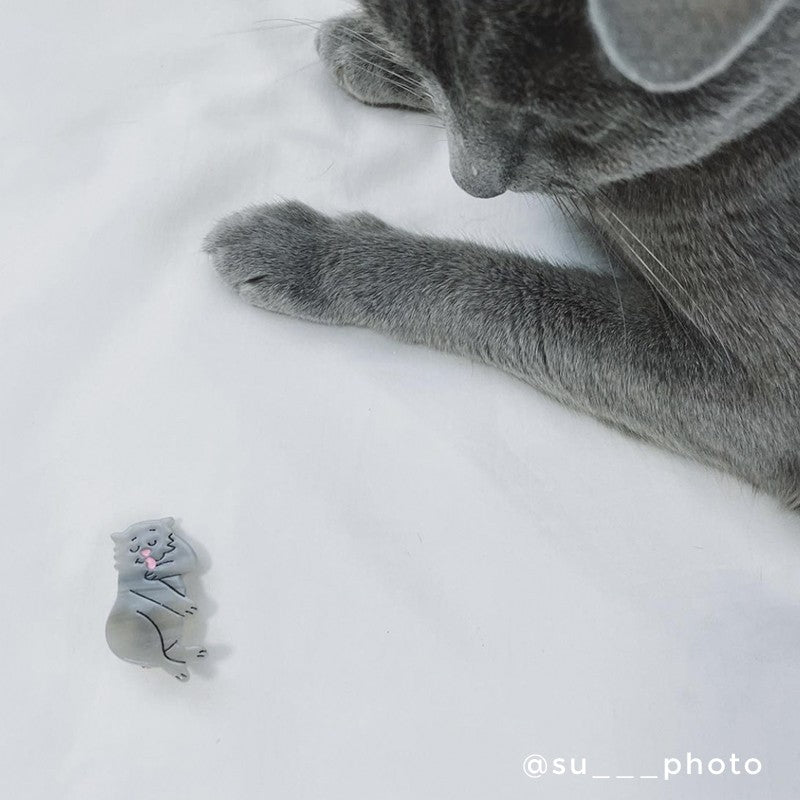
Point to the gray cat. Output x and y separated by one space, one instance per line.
671 126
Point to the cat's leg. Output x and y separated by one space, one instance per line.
597 342
362 63
164 643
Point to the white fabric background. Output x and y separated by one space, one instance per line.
418 570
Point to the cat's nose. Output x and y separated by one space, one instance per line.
479 181
479 171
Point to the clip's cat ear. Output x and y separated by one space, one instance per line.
675 45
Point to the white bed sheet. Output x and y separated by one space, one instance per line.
418 571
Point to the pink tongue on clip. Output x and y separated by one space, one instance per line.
148 559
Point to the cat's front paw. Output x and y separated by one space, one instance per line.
273 256
288 258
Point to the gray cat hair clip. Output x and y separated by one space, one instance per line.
146 623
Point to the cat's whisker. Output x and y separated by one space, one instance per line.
579 215
587 213
659 289
294 21
392 57
649 272
316 25
372 43
400 81
369 68
403 83
427 125
716 342
669 274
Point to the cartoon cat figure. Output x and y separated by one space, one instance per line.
146 623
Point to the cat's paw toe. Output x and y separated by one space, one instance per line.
271 255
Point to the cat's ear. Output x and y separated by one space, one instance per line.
675 45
